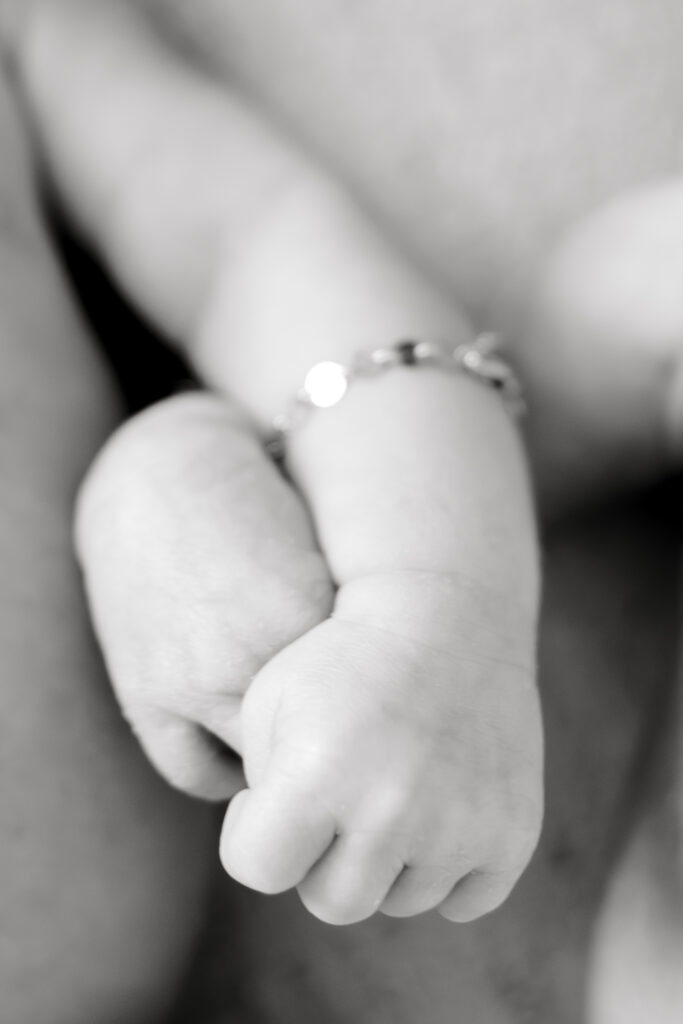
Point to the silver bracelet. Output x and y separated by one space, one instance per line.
327 382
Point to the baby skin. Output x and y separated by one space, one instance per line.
390 730
382 695
361 632
367 646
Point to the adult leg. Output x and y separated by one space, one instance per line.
102 866
638 942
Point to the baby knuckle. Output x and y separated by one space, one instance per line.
492 885
204 685
480 892
128 697
249 871
337 908
521 814
183 774
309 762
241 862
528 843
494 880
114 464
494 888
527 830
185 777
390 804
167 677
187 757
146 686
532 824
452 856
511 856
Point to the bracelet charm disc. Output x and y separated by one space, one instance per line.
326 383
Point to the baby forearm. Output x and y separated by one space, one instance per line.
416 468
431 453
419 469
316 281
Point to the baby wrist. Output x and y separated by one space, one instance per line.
447 610
327 382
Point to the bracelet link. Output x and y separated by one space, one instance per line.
327 382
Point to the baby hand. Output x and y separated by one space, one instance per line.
393 751
200 564
394 757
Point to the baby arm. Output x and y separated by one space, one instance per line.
419 689
400 737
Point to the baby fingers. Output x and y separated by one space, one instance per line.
188 756
279 835
350 883
478 893
272 836
418 889
383 780
199 564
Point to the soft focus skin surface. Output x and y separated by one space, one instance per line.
481 134
610 308
103 867
535 186
483 129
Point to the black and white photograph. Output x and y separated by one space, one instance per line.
341 511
